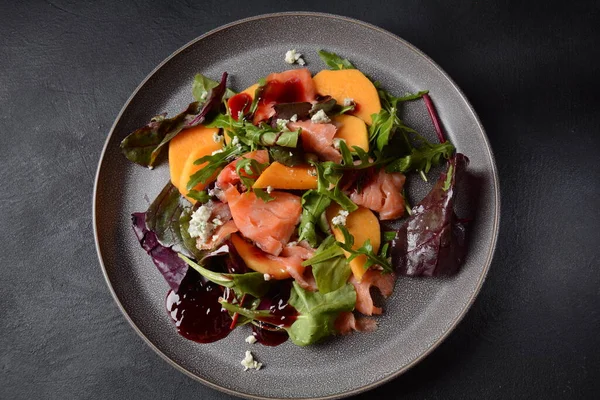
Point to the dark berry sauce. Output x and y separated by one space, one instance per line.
196 310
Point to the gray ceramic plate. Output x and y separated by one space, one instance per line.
419 315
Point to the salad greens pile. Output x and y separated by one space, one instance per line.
430 242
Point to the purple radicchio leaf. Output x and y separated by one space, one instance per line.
172 268
145 144
432 241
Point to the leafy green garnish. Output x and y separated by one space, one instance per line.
215 163
334 61
286 156
422 159
314 205
252 283
202 86
329 266
328 179
253 136
388 236
366 249
252 168
199 195
317 312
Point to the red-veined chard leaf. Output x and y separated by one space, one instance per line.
172 268
145 144
432 241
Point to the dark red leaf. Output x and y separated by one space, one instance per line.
172 268
432 241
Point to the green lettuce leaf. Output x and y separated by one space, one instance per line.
318 312
329 266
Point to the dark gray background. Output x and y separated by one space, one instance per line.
531 72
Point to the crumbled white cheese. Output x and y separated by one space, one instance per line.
216 192
340 219
312 172
292 57
294 118
251 339
203 96
282 123
235 141
217 152
215 238
217 138
267 277
290 244
291 154
320 118
250 363
200 227
217 222
336 143
269 189
348 102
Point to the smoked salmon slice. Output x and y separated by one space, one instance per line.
347 323
364 300
268 224
383 194
318 138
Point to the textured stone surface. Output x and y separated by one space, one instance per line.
66 68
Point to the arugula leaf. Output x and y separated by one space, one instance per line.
199 195
202 86
334 61
252 283
215 163
422 159
327 177
329 266
252 168
386 123
286 156
317 312
314 205
366 249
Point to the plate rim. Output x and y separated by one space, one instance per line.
433 346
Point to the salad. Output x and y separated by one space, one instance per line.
284 202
